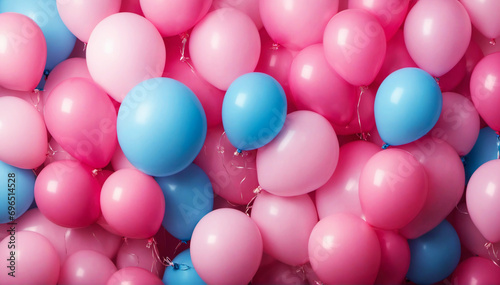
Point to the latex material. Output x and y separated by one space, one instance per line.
86 267
186 274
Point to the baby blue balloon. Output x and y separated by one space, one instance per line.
183 272
60 41
484 150
161 126
407 106
21 183
188 198
253 111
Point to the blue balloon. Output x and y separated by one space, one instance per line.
161 126
60 41
435 255
17 188
407 106
253 111
183 272
188 198
484 150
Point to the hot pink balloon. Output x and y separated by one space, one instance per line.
133 276
483 16
86 267
472 57
363 120
56 153
279 273
120 161
131 6
487 45
139 253
249 7
94 238
226 247
437 34
224 45
344 249
476 270
70 68
452 78
395 258
23 52
124 49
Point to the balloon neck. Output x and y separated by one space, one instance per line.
385 146
46 73
275 46
493 42
96 171
238 152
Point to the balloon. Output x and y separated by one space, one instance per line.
86 267
432 37
315 148
253 111
139 253
185 274
434 255
23 53
340 194
171 121
33 97
450 80
81 117
297 24
393 189
17 190
407 106
81 17
279 220
394 259
476 270
483 17
317 87
132 6
56 153
226 247
133 276
364 118
119 161
70 68
355 45
223 46
343 249
123 50
29 259
128 192
485 149
279 273
94 238
249 7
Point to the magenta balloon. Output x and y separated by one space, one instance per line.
70 68
340 194
363 120
86 267
278 219
139 253
226 247
483 16
279 273
344 249
452 78
133 276
476 270
94 238
249 7
395 258
36 260
301 158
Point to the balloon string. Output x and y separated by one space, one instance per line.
249 206
184 58
156 253
37 103
275 46
362 134
51 152
178 245
492 253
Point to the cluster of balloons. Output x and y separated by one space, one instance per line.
249 141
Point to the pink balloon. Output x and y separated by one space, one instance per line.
341 193
94 238
139 253
355 46
70 68
81 117
472 57
249 7
79 50
487 45
133 276
23 136
395 258
437 34
226 247
56 153
343 249
33 260
23 53
128 192
124 49
364 117
317 87
476 270
279 273
452 78
297 24
224 45
34 97
119 160
375 137
86 267
278 219
301 158
392 189
483 15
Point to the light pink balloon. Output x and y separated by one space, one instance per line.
124 49
133 276
297 24
279 273
224 45
355 46
392 189
139 253
70 68
249 7
476 270
437 34
86 267
226 247
34 97
343 249
452 78
23 136
128 192
341 193
483 14
94 238
119 160
395 258
363 120
279 220
56 153
23 52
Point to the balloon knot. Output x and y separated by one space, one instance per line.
237 152
385 146
96 171
275 46
257 190
493 42
46 72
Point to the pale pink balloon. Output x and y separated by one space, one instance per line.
341 193
279 273
249 7
393 188
279 219
437 34
483 15
224 45
301 158
23 52
56 153
86 267
124 49
23 136
139 253
364 116
297 24
34 97
476 270
390 13
395 258
119 160
133 276
70 68
355 46
452 78
226 247
317 87
132 6
344 249
94 238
